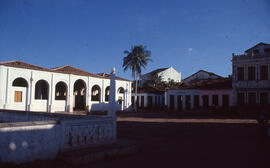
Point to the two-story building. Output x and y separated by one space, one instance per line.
250 76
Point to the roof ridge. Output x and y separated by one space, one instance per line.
10 61
18 61
55 68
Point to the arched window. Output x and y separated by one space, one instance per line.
80 94
20 82
42 90
107 93
121 90
60 91
95 93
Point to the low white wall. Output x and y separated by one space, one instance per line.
20 143
39 105
59 105
46 134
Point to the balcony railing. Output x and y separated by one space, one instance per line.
249 56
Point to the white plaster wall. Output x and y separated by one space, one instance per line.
184 93
46 136
9 74
170 74
27 143
18 105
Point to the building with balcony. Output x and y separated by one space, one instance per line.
250 76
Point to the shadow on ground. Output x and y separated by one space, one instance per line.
176 144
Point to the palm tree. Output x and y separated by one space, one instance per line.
135 59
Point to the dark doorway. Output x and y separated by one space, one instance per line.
137 101
205 99
225 100
179 103
142 101
240 98
79 95
149 101
215 100
264 98
172 102
251 98
132 101
196 102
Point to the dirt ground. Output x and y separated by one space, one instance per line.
177 141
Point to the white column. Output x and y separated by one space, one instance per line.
70 94
184 102
112 102
52 95
31 93
2 86
88 96
166 99
145 100
6 106
175 102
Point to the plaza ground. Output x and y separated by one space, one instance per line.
172 140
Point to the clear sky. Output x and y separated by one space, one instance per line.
92 35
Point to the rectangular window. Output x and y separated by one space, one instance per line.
264 98
240 73
263 72
251 98
255 52
251 73
215 100
267 50
18 96
225 100
240 99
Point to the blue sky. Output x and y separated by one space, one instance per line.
92 35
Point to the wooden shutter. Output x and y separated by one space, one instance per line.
18 96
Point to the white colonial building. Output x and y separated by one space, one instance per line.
32 88
250 74
166 74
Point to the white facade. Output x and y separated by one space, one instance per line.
28 101
149 100
166 75
251 76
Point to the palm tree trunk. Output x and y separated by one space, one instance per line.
136 86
